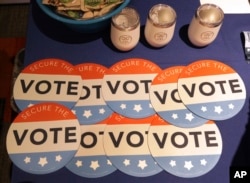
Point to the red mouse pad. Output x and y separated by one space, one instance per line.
47 80
185 152
212 89
91 107
43 138
90 160
166 101
126 145
126 85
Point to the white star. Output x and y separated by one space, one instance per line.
126 162
174 116
218 109
189 116
231 106
203 162
109 162
30 105
27 160
58 158
78 163
87 113
73 111
137 108
172 163
102 111
94 165
188 165
43 161
142 164
123 106
150 105
203 108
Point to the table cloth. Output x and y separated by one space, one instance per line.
47 38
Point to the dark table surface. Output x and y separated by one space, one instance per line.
47 38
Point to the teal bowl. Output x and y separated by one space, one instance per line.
83 26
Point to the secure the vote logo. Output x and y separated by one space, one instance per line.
43 138
90 160
91 107
165 99
47 80
126 84
211 89
185 152
126 145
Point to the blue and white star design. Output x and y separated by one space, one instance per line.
138 166
182 118
189 166
91 114
42 163
217 110
127 95
209 101
192 157
132 109
91 107
130 154
45 145
23 104
91 167
25 99
173 110
90 161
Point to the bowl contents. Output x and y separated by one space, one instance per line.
82 9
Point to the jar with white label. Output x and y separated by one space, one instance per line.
205 25
160 25
125 29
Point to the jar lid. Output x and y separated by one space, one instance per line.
128 19
210 15
162 15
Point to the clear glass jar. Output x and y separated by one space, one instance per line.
160 25
205 25
125 29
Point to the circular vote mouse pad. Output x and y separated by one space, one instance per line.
90 160
126 145
165 99
126 84
43 138
91 107
211 89
47 80
185 152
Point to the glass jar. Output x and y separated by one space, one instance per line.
205 25
125 29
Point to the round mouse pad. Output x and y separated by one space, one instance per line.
47 80
43 138
125 87
185 152
211 89
90 160
125 144
165 99
91 107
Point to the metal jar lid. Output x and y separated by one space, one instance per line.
209 15
128 19
162 15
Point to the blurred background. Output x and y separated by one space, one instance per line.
13 18
13 24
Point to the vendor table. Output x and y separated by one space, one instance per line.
47 38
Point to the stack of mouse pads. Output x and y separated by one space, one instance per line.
133 117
